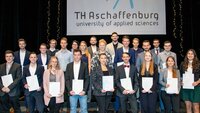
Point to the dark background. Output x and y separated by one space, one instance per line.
38 21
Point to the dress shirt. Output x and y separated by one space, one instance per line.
8 66
22 57
44 59
127 69
32 69
76 69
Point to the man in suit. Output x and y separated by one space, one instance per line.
34 98
156 45
52 49
77 70
126 71
93 47
43 57
22 55
114 45
136 47
9 95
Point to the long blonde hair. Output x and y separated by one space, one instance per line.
50 65
151 67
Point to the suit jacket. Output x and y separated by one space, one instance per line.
110 48
140 59
17 57
90 50
16 72
39 61
83 75
39 72
52 53
120 74
163 78
97 75
160 50
118 56
59 78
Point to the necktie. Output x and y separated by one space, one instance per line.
157 51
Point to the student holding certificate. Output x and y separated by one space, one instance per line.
103 96
148 73
53 75
10 76
170 84
33 84
77 82
191 67
126 91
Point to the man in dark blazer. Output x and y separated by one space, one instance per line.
127 70
156 47
22 53
34 98
93 47
9 95
43 56
77 70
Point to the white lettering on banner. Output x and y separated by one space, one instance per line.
101 17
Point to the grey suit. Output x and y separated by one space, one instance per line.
120 74
11 98
110 49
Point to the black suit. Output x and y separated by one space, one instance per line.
120 74
17 58
83 75
11 98
34 97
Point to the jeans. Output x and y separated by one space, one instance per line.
74 101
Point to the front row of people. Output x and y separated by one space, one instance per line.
127 80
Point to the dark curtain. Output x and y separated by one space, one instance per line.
38 21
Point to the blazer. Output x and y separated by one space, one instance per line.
96 75
59 78
118 56
163 78
140 59
39 61
110 48
83 75
52 53
155 79
160 50
17 57
16 72
90 50
39 72
120 74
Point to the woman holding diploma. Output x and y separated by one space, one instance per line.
103 96
53 75
168 76
148 77
191 67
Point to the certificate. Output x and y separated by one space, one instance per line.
54 89
120 63
107 83
188 79
32 82
164 65
173 86
7 80
147 83
126 83
77 86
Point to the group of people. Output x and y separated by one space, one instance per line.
138 77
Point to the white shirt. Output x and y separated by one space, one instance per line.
94 49
22 57
125 50
32 69
8 66
52 49
169 74
127 70
76 69
44 59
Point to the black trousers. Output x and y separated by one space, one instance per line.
171 102
53 106
103 103
148 102
132 102
9 101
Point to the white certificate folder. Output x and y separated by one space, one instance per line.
188 79
54 89
108 83
126 83
77 86
147 83
7 80
32 82
173 86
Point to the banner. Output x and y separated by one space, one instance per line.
102 17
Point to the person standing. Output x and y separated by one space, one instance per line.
9 95
93 46
52 49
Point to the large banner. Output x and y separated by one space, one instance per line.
102 17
